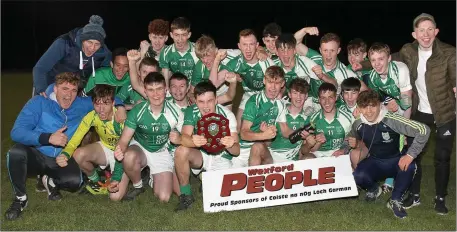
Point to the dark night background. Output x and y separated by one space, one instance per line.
29 28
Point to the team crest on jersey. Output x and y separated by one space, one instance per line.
190 62
164 126
385 135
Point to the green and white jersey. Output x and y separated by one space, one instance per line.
302 69
397 80
105 76
340 73
283 146
152 131
252 74
335 131
175 61
128 95
344 106
192 115
261 109
173 103
201 72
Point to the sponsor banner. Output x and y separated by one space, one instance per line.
278 184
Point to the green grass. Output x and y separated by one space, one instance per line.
86 212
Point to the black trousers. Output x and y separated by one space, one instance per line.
23 161
444 141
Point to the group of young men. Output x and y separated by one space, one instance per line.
144 105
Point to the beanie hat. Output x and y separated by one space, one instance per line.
94 30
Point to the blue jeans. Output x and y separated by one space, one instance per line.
371 170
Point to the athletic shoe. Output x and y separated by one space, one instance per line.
51 188
397 208
440 206
132 194
39 188
372 196
185 202
15 209
411 201
96 188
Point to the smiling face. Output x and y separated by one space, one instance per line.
425 33
269 42
155 93
178 89
297 99
327 100
120 66
380 62
371 112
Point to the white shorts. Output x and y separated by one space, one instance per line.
109 157
160 161
320 154
281 157
212 163
242 160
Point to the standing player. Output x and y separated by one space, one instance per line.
190 155
150 123
249 68
100 153
383 132
390 78
158 35
281 149
331 124
209 68
357 57
180 56
271 32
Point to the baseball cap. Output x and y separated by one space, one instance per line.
422 17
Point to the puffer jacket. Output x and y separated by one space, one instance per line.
439 78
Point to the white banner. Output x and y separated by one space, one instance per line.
278 184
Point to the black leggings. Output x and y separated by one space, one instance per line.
23 161
444 142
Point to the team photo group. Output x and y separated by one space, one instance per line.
116 121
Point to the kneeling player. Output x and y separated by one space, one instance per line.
190 155
281 149
99 153
331 124
382 132
150 123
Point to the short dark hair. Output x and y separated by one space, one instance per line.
149 61
178 76
300 85
180 23
272 30
246 32
103 92
203 87
351 84
326 87
154 77
357 45
286 40
119 52
368 98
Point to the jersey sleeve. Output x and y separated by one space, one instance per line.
197 74
118 171
132 119
282 113
79 134
250 110
309 64
232 121
189 117
231 54
231 66
163 61
123 93
403 77
314 55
